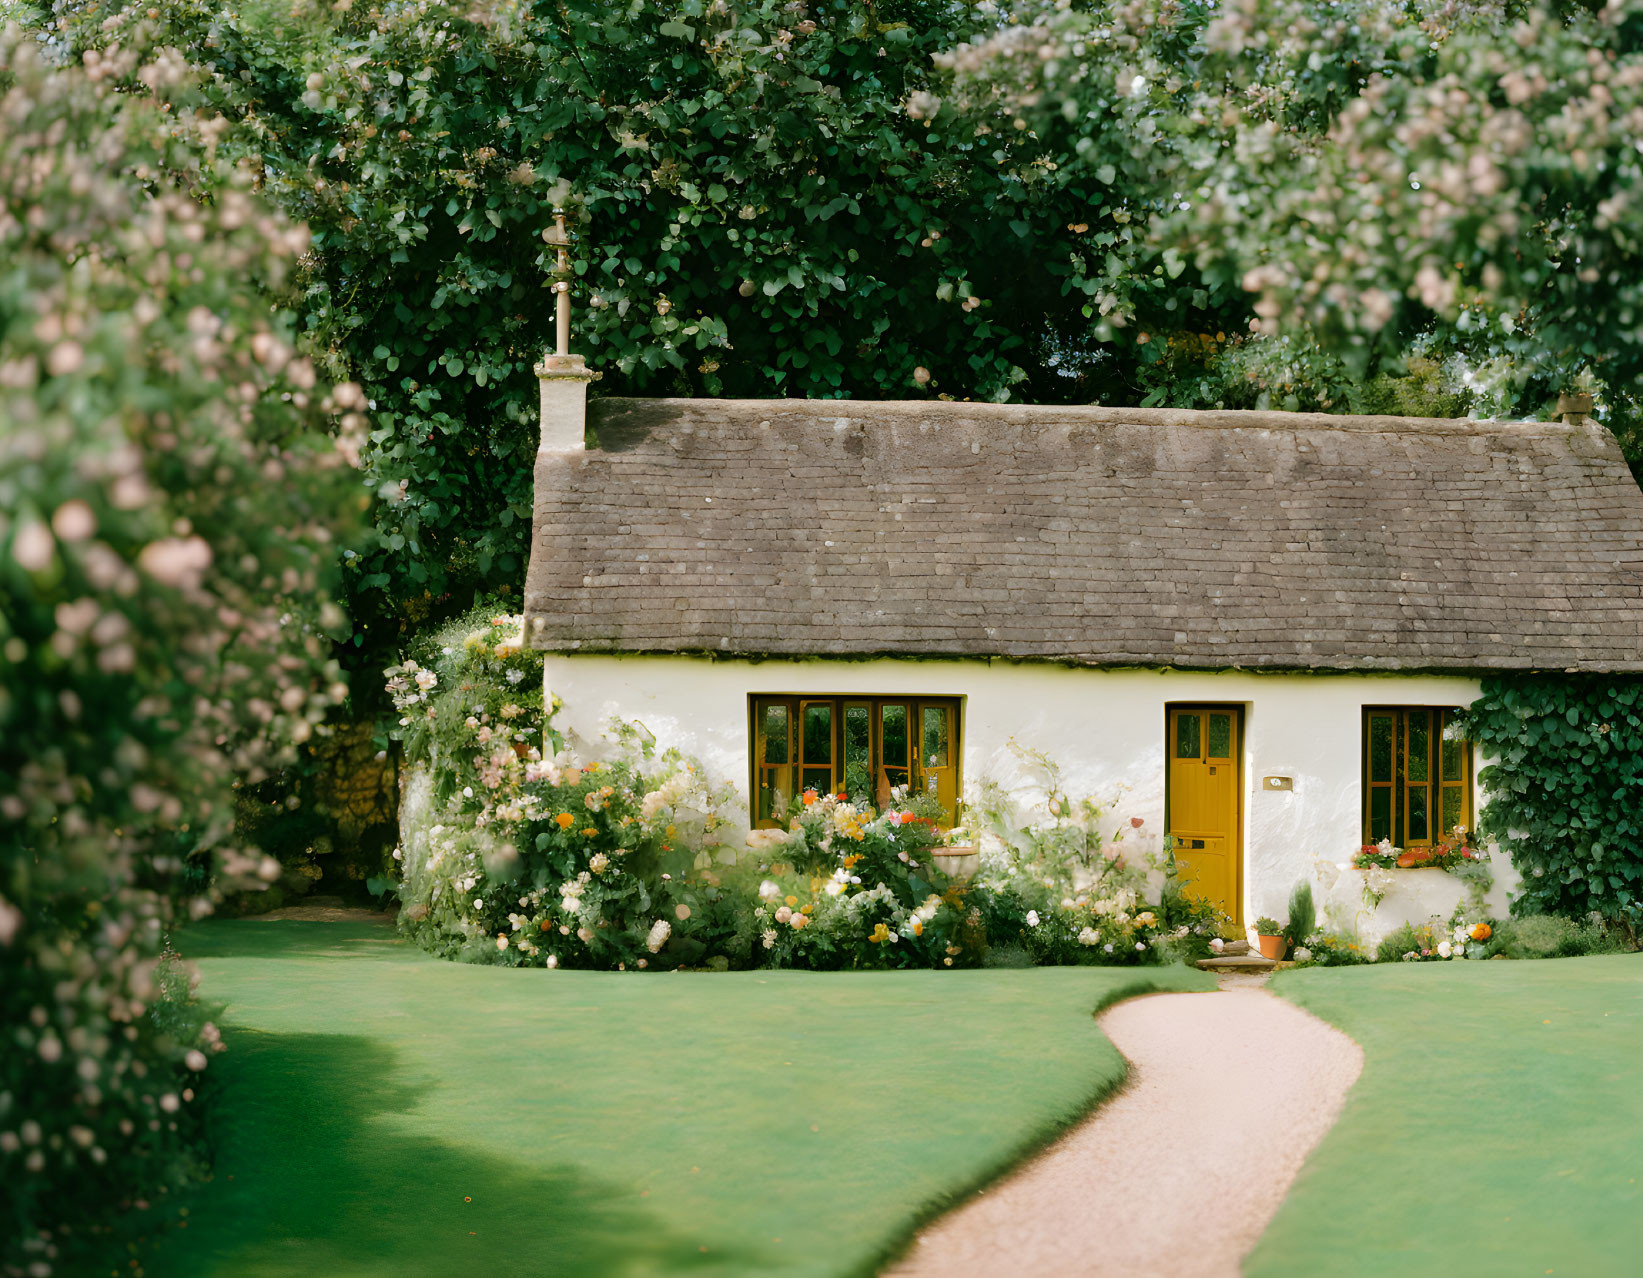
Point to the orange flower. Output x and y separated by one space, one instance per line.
792 900
566 820
810 796
591 831
1482 931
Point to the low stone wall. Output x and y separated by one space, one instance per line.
1412 896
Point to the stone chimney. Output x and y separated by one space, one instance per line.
564 376
1574 407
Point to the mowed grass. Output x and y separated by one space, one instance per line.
385 1113
1497 1127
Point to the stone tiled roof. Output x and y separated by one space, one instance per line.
1108 536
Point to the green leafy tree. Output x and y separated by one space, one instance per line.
769 198
1456 182
166 489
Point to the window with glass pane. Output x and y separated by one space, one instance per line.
858 750
773 755
1218 739
1186 736
1417 775
864 747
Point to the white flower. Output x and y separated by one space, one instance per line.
1089 936
501 940
478 904
768 891
467 792
1032 918
553 960
1107 947
783 914
1217 944
1140 946
1302 954
659 932
768 936
1443 949
426 680
599 863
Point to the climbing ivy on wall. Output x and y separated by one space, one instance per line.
1565 794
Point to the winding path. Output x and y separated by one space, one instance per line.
1176 1175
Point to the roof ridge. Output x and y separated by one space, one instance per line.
1201 418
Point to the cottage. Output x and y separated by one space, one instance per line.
1251 629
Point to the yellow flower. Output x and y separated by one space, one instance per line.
880 934
791 900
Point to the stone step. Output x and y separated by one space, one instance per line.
1237 963
1233 948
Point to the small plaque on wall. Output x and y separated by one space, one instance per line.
1278 783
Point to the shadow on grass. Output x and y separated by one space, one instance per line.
313 1178
291 938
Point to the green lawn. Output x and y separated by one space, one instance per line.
385 1113
1497 1128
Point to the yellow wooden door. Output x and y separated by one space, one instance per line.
1203 801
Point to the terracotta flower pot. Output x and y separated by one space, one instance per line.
1272 947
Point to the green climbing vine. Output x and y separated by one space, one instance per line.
1564 794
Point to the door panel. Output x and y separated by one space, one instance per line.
1203 800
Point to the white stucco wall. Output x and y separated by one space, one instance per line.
1105 728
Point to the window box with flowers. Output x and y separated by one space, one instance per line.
1383 888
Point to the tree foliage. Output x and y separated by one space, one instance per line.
768 198
1376 171
166 484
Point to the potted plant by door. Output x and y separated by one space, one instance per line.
1270 934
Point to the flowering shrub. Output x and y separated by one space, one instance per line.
846 886
1333 949
551 862
1061 844
1066 892
166 496
1113 924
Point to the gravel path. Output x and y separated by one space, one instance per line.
1176 1175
